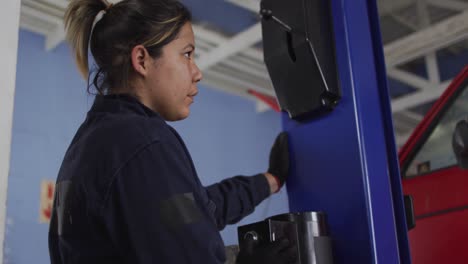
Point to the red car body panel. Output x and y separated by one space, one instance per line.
440 197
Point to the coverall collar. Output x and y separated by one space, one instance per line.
121 103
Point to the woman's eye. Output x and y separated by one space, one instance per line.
188 54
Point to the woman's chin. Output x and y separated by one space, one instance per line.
178 116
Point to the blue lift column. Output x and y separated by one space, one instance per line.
345 163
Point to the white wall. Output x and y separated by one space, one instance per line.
9 24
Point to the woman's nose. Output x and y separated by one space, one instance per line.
197 75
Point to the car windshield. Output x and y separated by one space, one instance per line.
436 152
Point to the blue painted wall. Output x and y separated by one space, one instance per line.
224 134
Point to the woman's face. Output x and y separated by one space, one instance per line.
169 86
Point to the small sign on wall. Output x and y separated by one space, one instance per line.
47 201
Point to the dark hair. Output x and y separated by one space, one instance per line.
151 23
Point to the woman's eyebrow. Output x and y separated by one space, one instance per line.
190 46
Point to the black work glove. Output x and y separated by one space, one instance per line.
279 158
460 143
277 252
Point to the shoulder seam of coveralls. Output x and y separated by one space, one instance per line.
117 171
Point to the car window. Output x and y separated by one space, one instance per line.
436 152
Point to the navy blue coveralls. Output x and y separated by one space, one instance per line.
127 192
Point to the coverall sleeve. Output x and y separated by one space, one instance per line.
237 197
53 238
152 216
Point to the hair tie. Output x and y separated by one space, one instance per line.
96 20
109 6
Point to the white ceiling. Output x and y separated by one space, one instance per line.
411 29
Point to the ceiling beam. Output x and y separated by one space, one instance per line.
414 117
237 63
207 35
32 27
401 139
453 5
216 38
58 3
416 45
219 54
430 39
385 6
410 79
252 5
221 85
432 65
29 11
223 82
261 107
231 46
418 98
398 18
245 85
54 38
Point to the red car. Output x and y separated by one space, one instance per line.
439 187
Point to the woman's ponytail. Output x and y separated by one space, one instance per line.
79 19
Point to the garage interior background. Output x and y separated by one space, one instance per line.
230 131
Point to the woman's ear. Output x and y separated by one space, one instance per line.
140 60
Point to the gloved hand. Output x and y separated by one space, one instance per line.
278 252
460 143
279 158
